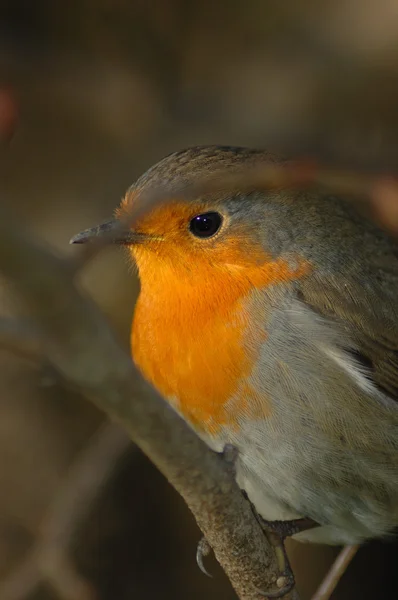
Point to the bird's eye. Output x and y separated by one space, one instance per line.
205 225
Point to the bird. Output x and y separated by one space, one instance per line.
268 318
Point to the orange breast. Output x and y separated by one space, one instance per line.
194 343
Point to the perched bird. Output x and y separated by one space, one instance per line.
269 320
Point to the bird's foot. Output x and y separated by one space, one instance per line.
286 580
286 529
277 532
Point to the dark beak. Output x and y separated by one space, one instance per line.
112 231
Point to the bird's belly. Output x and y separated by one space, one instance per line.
281 489
271 509
281 493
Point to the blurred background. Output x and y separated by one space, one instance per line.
92 93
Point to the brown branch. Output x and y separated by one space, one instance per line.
81 346
23 581
72 505
50 560
293 174
335 573
20 337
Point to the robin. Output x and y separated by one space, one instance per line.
269 320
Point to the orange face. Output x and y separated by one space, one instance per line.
172 244
193 335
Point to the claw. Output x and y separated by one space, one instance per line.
285 583
203 549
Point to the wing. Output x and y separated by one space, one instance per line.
369 315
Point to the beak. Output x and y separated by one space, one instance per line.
111 230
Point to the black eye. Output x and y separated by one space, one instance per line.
205 225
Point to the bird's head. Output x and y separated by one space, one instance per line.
173 225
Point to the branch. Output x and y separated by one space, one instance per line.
71 506
50 560
23 581
81 346
335 573
18 336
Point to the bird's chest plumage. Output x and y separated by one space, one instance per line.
197 333
199 350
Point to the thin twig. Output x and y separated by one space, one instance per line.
72 505
335 573
50 561
21 337
23 580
